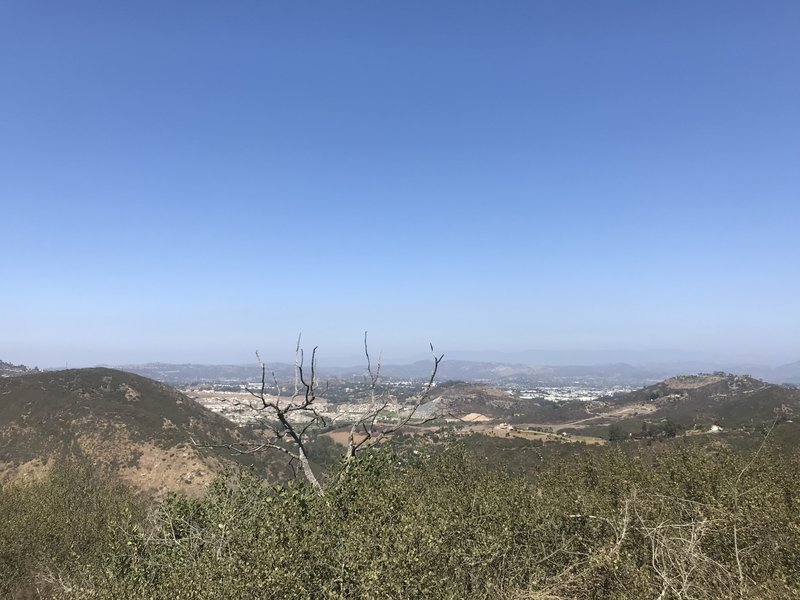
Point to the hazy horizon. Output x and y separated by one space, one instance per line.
564 357
190 184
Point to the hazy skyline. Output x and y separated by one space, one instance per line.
189 182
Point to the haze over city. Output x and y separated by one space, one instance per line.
190 183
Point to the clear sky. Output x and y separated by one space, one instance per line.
191 181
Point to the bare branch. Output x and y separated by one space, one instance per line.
291 420
368 422
242 448
376 375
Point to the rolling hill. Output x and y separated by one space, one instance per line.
719 398
459 399
789 373
139 427
722 399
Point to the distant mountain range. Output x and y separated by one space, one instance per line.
631 373
465 370
785 374
187 374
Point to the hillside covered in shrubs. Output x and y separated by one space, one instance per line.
688 521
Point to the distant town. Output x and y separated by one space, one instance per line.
342 402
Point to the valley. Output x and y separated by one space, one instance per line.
173 471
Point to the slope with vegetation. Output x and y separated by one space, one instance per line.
693 521
720 398
698 402
431 515
140 428
679 403
459 399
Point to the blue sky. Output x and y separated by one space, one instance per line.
190 181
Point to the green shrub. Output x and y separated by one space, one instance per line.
51 526
692 522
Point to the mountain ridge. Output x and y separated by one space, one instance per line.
468 370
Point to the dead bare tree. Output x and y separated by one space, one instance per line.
367 428
289 420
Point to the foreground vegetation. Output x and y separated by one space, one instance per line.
688 521
51 529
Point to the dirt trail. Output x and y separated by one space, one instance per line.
622 412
